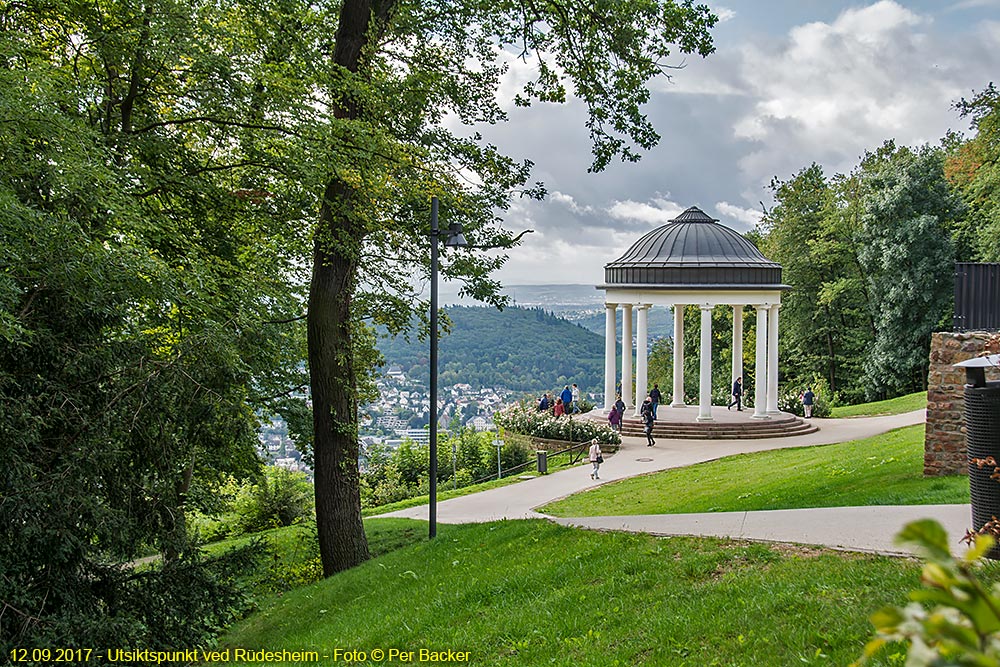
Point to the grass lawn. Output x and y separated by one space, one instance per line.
884 470
532 593
893 406
292 556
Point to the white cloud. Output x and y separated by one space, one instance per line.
724 13
660 211
747 216
569 202
974 4
830 91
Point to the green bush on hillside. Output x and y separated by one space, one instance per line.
391 475
280 498
277 498
955 618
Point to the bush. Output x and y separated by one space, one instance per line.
524 418
183 603
281 498
394 475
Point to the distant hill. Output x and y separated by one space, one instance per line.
580 304
660 321
525 349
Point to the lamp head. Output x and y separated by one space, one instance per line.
455 238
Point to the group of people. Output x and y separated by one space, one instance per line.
568 401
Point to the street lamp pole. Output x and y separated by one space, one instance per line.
434 367
453 238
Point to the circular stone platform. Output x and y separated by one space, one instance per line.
682 423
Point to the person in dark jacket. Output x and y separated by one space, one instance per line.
737 395
808 398
543 404
655 396
646 411
620 404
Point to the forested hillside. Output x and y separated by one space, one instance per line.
526 349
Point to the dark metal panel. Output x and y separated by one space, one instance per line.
977 297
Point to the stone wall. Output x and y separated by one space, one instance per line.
944 442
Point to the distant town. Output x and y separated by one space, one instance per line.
401 412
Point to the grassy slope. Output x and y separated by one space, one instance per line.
893 406
529 593
883 470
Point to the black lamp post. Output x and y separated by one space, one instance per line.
453 238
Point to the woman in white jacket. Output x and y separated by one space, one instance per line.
596 458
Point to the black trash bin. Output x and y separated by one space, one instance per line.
982 440
543 462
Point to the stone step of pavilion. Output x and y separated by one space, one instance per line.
764 428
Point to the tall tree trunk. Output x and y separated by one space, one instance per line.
342 541
336 254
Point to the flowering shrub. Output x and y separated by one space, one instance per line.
524 418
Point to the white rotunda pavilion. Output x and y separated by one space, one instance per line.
692 260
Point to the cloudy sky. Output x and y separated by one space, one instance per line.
791 82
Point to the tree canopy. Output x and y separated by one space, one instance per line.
167 168
145 263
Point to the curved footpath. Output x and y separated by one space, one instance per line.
852 528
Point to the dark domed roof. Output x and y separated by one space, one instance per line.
694 250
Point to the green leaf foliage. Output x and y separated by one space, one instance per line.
955 618
144 267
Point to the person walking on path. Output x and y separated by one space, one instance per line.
646 412
620 405
596 458
615 419
576 399
808 398
655 395
560 408
567 397
737 395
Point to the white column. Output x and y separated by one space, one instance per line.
641 355
627 354
610 365
760 376
678 401
705 373
737 344
772 360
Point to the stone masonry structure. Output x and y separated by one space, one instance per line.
944 442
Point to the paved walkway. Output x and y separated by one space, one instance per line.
853 528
